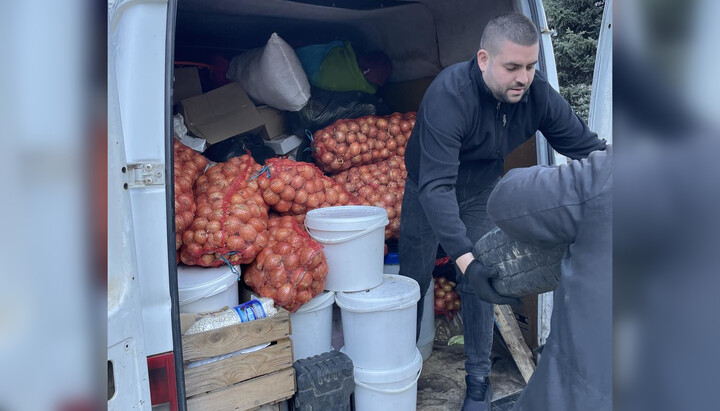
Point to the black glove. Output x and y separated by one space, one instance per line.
479 276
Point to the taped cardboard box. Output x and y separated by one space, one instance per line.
186 83
284 144
274 122
222 113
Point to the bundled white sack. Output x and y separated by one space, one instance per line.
272 75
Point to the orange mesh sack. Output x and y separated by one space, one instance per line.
359 141
294 188
231 218
188 166
381 185
291 269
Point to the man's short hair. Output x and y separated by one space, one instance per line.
510 26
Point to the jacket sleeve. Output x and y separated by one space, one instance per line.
439 127
543 205
566 132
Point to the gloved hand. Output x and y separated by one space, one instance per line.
479 276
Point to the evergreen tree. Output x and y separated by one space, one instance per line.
577 24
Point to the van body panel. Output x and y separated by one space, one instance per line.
137 44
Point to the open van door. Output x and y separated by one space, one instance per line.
600 119
143 320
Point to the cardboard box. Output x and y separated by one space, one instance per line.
186 83
222 113
274 122
284 144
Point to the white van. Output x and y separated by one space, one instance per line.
421 38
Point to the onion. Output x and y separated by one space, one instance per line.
285 293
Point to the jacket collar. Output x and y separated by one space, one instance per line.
477 78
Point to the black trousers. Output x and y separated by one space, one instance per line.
418 246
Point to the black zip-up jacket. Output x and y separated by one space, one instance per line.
462 134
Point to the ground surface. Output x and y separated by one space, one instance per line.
442 383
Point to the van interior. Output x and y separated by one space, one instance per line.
421 38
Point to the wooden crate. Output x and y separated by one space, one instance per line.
244 381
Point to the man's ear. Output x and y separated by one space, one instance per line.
483 57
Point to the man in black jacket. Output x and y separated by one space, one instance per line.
473 115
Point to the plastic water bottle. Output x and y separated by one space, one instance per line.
254 309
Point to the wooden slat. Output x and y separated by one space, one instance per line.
514 340
239 368
247 395
237 337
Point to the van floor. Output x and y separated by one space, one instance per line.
442 381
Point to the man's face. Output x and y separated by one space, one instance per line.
509 72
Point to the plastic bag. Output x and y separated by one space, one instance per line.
326 107
237 146
272 75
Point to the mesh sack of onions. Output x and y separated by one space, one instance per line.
381 185
364 140
291 269
447 300
294 188
231 217
188 166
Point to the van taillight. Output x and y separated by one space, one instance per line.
161 370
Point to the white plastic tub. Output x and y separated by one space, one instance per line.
354 240
379 325
391 390
202 289
427 324
312 326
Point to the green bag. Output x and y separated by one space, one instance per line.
339 71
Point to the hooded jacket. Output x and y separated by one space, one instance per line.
569 204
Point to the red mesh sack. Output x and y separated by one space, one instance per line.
381 185
291 269
293 188
231 217
188 165
446 297
360 141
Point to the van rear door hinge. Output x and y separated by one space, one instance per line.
146 173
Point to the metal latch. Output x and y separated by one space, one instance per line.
147 173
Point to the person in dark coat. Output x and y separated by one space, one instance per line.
472 115
569 204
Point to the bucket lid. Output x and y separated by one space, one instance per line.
343 218
320 301
396 292
401 373
195 283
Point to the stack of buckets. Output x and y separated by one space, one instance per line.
378 310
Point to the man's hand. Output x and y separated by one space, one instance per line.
479 276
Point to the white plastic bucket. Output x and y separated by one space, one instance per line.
312 326
354 241
427 324
202 289
392 390
379 325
